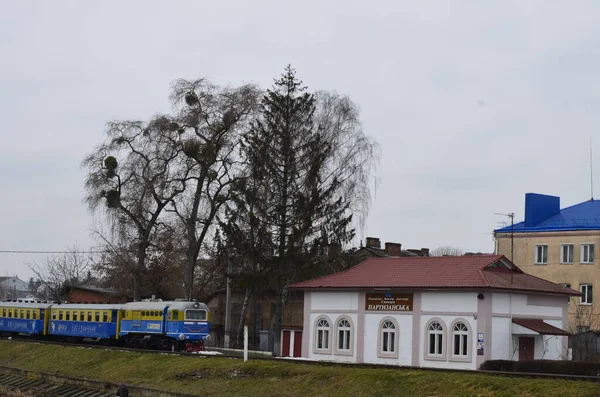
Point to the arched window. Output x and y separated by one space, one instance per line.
435 339
344 332
322 335
461 341
388 338
460 336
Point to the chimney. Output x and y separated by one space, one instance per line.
334 250
539 207
393 249
425 251
373 242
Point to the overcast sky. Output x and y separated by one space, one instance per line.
473 103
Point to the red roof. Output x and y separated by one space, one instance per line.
458 272
539 326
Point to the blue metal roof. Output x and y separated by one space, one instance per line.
538 218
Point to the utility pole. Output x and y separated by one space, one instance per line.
227 303
511 215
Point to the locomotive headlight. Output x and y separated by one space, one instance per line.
208 337
196 305
181 336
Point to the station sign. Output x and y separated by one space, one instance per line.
389 302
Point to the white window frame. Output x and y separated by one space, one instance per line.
537 260
563 247
321 329
428 332
466 339
583 255
583 298
344 334
390 332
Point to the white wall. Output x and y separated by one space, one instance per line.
405 337
449 301
333 317
472 323
517 305
501 338
334 301
500 303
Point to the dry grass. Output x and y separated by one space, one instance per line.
230 377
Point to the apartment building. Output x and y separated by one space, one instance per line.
559 245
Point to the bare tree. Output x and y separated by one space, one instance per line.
135 173
211 119
59 273
446 251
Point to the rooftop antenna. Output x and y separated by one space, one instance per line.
511 215
591 172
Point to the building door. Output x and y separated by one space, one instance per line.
297 344
526 348
285 344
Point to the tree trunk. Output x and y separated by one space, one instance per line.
138 271
276 319
240 327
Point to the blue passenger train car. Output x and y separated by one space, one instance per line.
23 317
96 321
169 322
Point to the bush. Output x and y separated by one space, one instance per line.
584 368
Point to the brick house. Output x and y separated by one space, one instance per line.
94 294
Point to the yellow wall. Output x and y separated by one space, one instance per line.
577 273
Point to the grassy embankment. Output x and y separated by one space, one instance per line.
208 376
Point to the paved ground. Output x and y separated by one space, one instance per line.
41 388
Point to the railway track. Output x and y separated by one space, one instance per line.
41 388
239 355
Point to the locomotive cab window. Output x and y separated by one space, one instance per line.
175 314
195 314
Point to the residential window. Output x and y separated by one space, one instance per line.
586 294
587 253
460 340
435 339
388 340
388 337
344 332
323 327
566 253
582 328
541 254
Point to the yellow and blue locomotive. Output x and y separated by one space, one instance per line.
174 325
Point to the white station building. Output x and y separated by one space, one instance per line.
443 312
